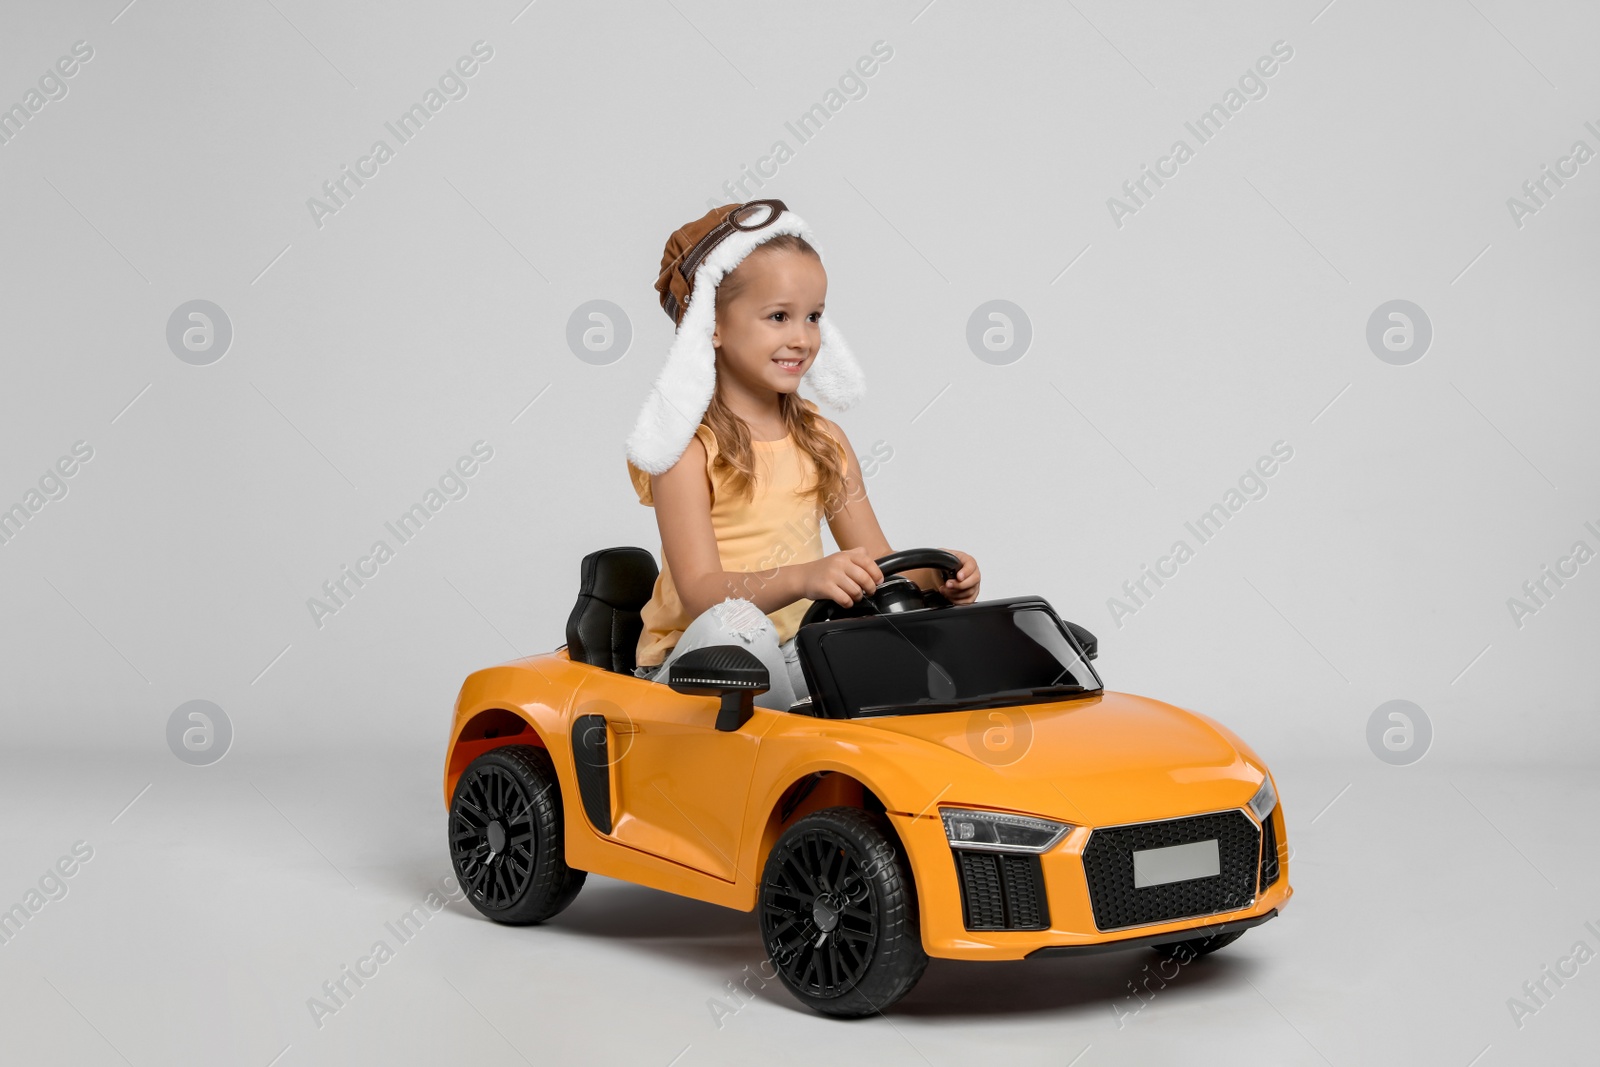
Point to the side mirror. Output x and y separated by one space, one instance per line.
727 671
1085 638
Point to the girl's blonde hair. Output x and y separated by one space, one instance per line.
734 455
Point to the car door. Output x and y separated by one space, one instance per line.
677 785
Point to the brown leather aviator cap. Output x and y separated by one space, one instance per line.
692 242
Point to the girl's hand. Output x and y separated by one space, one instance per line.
843 577
963 588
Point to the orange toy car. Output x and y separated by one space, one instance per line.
958 784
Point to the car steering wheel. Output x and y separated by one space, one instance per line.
895 593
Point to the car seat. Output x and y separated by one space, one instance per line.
614 584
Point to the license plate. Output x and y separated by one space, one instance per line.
1177 863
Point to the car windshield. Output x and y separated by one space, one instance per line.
950 658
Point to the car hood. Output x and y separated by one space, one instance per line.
1099 760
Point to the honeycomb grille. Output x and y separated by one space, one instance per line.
1001 892
1270 866
1108 867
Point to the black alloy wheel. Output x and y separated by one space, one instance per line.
505 836
838 913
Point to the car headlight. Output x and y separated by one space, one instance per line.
1264 801
997 831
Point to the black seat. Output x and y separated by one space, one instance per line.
613 585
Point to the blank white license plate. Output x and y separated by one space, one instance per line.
1178 863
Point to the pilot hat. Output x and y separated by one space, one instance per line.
697 257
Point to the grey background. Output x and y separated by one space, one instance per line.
431 312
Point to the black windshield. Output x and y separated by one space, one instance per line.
981 655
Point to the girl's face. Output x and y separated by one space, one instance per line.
768 332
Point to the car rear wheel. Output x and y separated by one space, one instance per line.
505 836
838 913
1184 951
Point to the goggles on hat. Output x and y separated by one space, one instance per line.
754 215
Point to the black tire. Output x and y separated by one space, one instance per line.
1184 951
506 837
838 913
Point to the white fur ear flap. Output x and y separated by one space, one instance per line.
835 374
681 393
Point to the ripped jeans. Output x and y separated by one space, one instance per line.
740 622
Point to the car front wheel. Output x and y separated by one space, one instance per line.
505 836
838 913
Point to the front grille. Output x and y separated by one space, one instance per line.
1269 853
1108 866
1001 891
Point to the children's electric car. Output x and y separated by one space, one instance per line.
958 783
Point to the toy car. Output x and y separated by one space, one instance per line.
958 784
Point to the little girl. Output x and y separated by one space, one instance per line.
739 467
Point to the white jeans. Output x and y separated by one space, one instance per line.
740 622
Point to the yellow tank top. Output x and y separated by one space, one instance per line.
778 526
